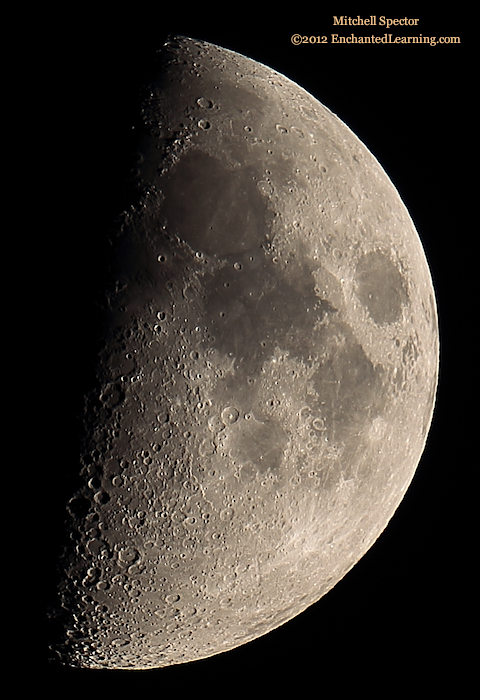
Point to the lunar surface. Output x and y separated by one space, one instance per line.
266 377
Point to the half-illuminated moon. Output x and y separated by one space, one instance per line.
267 375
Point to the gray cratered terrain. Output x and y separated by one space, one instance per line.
267 374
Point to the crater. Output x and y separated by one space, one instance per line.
259 443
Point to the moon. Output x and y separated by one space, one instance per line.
266 376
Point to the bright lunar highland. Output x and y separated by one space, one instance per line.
266 376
